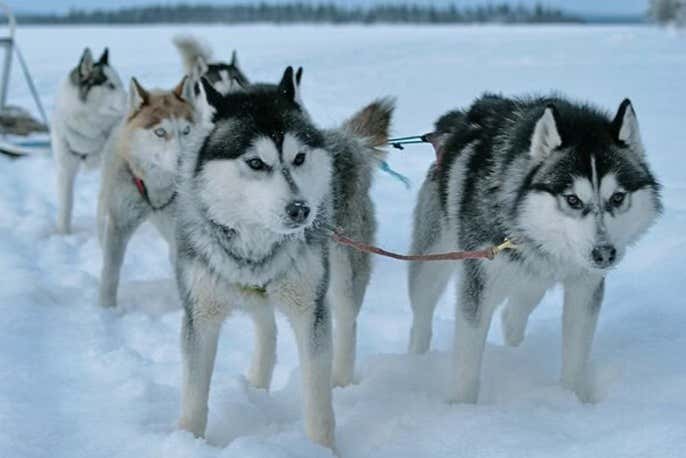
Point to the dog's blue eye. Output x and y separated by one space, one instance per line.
617 199
574 202
256 164
160 132
186 130
299 159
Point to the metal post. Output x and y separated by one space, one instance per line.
32 87
8 44
6 68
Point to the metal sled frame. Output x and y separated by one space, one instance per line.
25 146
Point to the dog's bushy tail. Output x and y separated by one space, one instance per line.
372 123
192 49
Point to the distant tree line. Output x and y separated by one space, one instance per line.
307 13
668 11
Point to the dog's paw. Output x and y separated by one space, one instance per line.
583 388
257 380
420 341
193 426
342 379
61 229
323 435
108 303
465 394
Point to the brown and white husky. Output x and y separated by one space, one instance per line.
138 176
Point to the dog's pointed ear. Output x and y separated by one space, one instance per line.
546 137
288 86
298 76
203 96
86 63
187 92
625 126
105 57
138 96
178 91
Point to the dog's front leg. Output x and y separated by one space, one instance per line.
67 168
264 356
583 297
313 335
303 298
117 230
199 336
472 321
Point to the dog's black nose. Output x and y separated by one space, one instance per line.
604 255
298 211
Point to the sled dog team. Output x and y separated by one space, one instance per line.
243 184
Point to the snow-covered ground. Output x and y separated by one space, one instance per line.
76 381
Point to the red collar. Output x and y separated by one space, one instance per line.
141 187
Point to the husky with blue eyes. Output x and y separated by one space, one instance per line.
567 183
89 104
255 199
138 177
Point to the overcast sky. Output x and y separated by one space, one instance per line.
578 6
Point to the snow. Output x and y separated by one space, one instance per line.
77 381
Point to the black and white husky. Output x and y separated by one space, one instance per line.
89 103
196 56
139 174
251 208
566 183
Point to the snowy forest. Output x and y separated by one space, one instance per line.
309 13
671 12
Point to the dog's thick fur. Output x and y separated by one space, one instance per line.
252 205
139 175
89 104
196 56
569 185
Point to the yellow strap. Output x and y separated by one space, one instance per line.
252 289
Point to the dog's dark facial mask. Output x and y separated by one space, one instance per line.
227 78
592 193
98 85
263 166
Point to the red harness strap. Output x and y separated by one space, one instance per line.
488 253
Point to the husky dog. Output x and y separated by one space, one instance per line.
567 184
139 175
196 57
252 205
89 103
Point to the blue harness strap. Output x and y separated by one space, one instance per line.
385 167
